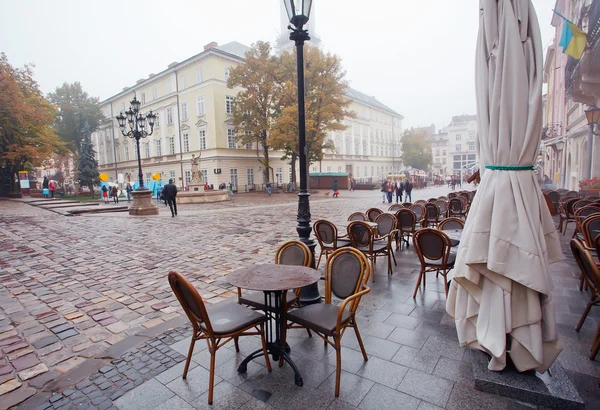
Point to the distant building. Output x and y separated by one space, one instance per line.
439 152
462 154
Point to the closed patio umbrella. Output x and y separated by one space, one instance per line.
501 296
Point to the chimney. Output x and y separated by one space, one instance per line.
212 44
173 64
151 75
141 80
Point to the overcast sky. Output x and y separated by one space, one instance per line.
416 56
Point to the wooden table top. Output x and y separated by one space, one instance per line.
271 277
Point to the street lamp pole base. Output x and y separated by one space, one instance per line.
142 203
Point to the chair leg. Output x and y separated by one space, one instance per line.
211 382
264 346
338 364
394 258
421 274
445 283
325 341
237 345
566 225
319 261
585 313
389 262
581 280
309 332
372 269
360 342
596 344
189 356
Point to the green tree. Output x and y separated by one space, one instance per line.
87 166
415 150
77 113
27 136
256 105
326 104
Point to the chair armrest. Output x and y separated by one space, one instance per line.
349 299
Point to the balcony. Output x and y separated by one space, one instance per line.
582 78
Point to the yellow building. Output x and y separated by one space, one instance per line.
194 105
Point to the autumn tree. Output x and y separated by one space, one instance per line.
416 152
257 103
27 136
326 104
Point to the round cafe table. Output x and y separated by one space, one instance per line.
454 235
274 281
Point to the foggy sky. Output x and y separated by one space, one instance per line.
416 56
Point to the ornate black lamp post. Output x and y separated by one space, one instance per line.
298 12
142 196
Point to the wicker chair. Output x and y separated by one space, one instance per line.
387 231
346 276
358 216
580 215
218 324
591 274
373 213
419 211
328 238
554 198
395 207
407 226
456 208
566 214
433 214
420 201
574 194
433 249
362 238
407 204
443 205
450 224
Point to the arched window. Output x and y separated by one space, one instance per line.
356 147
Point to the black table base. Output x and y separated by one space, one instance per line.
273 304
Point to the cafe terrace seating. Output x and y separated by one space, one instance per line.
358 216
373 213
328 238
218 324
346 275
362 238
407 225
433 250
449 224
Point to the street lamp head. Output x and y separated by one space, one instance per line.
130 116
298 11
593 115
121 120
135 105
151 117
141 120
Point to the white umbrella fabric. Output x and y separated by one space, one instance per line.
501 296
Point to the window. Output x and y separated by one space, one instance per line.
199 75
135 154
169 115
458 137
358 172
229 104
186 142
328 169
364 146
437 152
126 152
471 146
443 152
279 176
230 138
147 149
154 94
458 147
156 121
227 70
356 147
182 82
148 177
471 135
233 177
172 175
122 107
171 145
143 98
202 137
250 176
314 169
184 111
158 148
204 176
200 105
248 145
188 177
339 169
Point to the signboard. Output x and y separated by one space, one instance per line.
24 181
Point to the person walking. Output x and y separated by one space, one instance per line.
408 189
128 189
170 194
230 189
52 188
269 188
105 193
336 193
383 190
399 189
114 193
45 182
390 191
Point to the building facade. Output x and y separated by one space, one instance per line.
462 153
439 152
194 117
569 150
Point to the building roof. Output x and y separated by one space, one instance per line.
369 100
464 118
329 174
235 48
442 136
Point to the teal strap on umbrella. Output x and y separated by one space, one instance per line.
509 168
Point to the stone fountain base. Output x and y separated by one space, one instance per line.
142 204
197 195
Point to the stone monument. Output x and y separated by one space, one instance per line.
196 193
197 182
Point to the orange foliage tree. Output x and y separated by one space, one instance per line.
27 136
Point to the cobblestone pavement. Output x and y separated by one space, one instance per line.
73 288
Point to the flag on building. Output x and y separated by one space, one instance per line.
573 40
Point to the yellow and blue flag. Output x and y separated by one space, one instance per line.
573 40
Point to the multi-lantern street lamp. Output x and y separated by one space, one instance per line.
298 12
137 130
